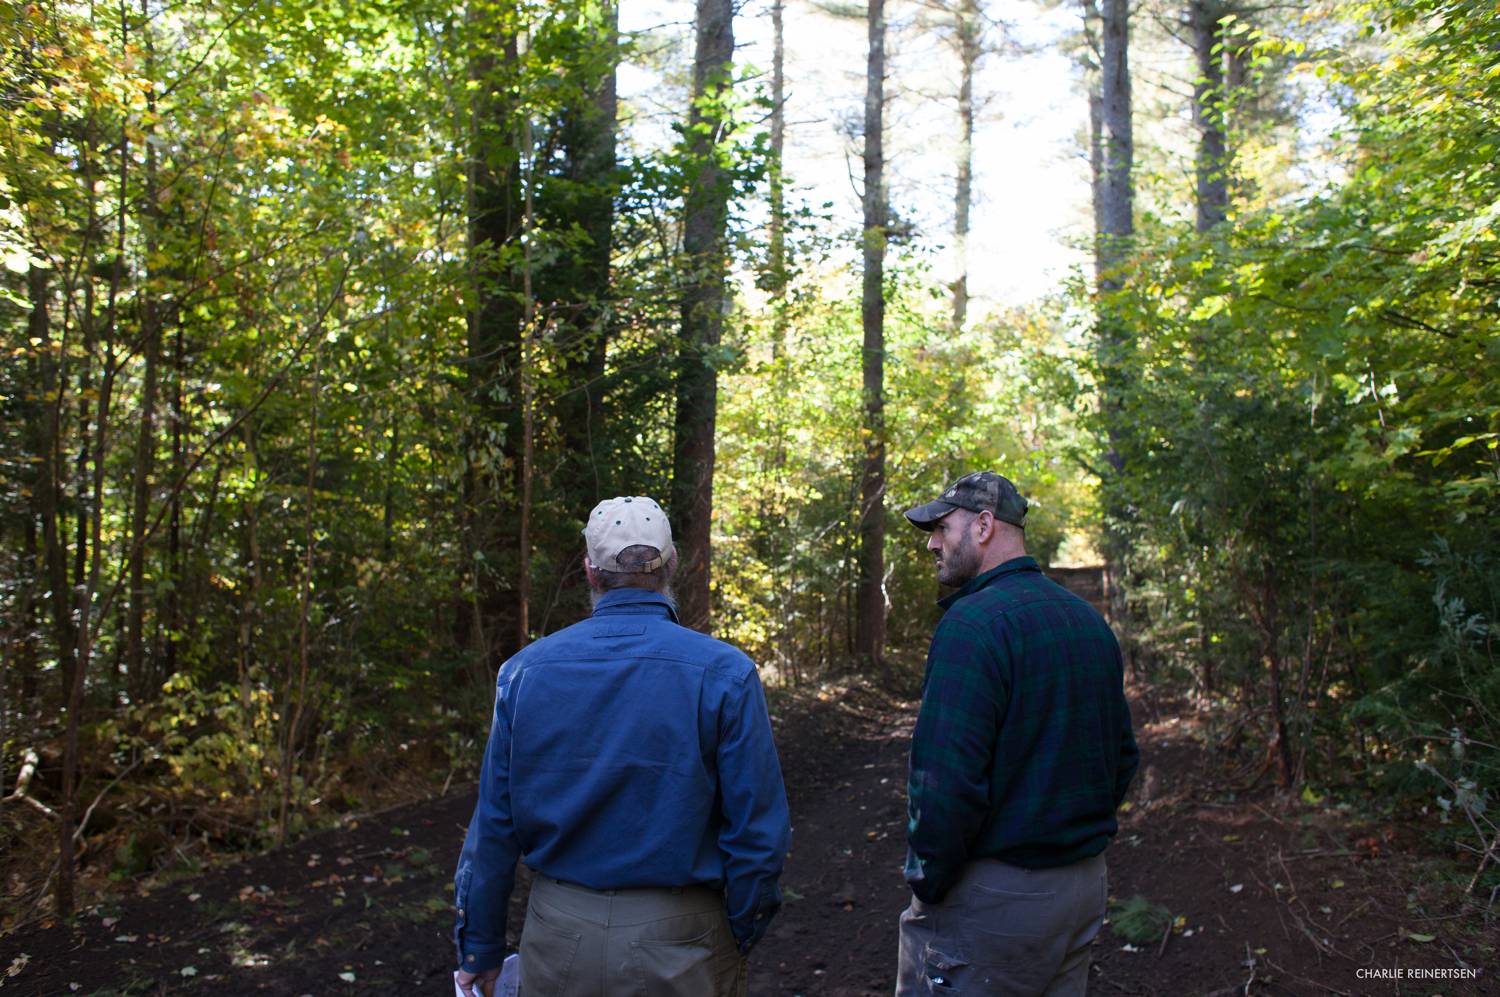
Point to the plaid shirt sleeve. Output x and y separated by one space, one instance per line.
964 695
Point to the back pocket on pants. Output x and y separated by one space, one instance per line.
676 968
547 954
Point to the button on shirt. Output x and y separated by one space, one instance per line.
1023 747
625 751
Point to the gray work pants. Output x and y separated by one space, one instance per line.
669 942
1004 930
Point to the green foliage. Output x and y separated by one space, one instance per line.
1139 921
1308 415
790 442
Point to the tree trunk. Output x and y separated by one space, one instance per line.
492 467
968 28
175 571
294 703
573 289
526 150
145 451
1212 163
1114 230
869 636
704 301
1091 61
778 261
1115 224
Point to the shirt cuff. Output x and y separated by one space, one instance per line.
480 961
748 931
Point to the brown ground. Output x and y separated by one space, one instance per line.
1274 897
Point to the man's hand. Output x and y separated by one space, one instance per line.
475 984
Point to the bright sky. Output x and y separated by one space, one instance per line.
1031 194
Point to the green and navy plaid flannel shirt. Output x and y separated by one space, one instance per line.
1023 749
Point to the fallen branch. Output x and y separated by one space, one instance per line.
1489 853
1356 910
1302 979
29 761
84 822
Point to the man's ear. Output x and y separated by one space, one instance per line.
589 571
986 523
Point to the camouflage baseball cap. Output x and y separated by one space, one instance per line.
982 491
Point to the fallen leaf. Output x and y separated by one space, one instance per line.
347 977
189 970
17 964
1414 936
1237 887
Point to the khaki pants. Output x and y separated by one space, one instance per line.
1004 930
579 942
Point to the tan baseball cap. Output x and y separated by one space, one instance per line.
627 521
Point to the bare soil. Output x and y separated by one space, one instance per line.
1270 896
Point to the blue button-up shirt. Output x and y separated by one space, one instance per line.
625 751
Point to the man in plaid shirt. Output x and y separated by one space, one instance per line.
1021 754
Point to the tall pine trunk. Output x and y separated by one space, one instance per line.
704 301
778 261
1114 229
869 629
492 461
145 449
1212 161
968 29
574 289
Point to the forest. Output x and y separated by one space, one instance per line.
324 325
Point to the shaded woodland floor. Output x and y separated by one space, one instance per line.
1272 896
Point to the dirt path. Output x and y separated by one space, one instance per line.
1274 898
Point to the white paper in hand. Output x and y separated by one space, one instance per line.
506 986
509 982
510 976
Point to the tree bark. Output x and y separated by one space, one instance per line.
491 451
704 302
1115 224
778 260
573 290
869 634
145 451
294 703
1114 230
1212 161
969 30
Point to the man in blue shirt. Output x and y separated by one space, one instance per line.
630 764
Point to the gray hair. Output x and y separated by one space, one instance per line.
632 559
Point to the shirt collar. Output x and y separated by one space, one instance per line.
626 601
1010 567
